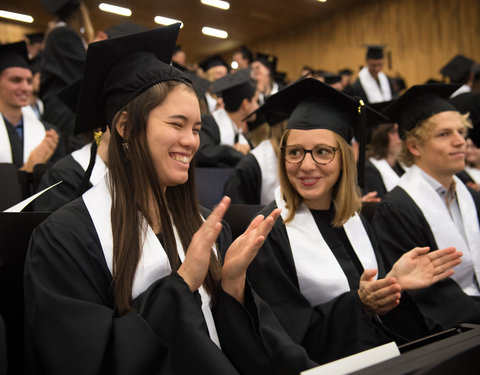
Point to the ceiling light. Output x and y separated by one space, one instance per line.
217 4
166 21
234 65
16 16
214 32
323 1
115 9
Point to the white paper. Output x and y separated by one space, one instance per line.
357 361
20 206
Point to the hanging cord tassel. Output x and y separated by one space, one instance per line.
362 140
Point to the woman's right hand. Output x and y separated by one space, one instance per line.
197 259
378 296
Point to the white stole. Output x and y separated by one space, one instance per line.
389 176
474 173
211 102
82 157
153 264
374 93
227 128
320 276
33 134
267 160
444 230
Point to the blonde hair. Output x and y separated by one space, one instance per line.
419 134
345 194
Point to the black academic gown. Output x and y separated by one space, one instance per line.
356 89
340 327
211 153
400 226
66 170
244 186
374 181
63 60
71 326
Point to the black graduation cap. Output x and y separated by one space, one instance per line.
117 70
311 104
235 86
212 61
13 55
419 103
331 78
476 72
270 61
458 69
124 28
69 95
345 72
375 51
35 37
200 84
379 107
60 8
469 102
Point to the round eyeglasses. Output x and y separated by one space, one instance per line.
321 154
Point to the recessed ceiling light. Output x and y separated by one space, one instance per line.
115 9
214 32
217 4
16 16
166 21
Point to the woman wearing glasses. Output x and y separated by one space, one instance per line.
317 268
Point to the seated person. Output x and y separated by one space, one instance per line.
317 268
223 141
127 279
24 140
431 206
255 178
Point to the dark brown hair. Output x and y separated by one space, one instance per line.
378 146
133 180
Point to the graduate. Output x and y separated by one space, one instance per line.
382 169
263 71
255 178
128 278
214 67
24 140
431 206
63 59
223 139
372 84
317 268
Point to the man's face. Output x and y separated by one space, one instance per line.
375 66
442 153
15 87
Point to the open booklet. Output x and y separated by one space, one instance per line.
20 206
357 361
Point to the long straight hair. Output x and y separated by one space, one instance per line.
133 181
345 194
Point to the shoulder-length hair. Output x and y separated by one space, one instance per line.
380 141
345 194
133 181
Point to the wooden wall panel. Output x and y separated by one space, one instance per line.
421 35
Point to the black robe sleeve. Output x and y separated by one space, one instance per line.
63 61
244 186
328 331
66 170
211 153
72 328
400 226
373 180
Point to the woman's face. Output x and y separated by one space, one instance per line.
173 129
394 141
314 182
473 153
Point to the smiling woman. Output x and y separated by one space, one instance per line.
319 264
128 278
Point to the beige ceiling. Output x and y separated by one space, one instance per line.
246 21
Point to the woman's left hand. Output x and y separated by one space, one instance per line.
420 268
241 253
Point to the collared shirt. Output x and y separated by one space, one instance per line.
449 197
18 128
